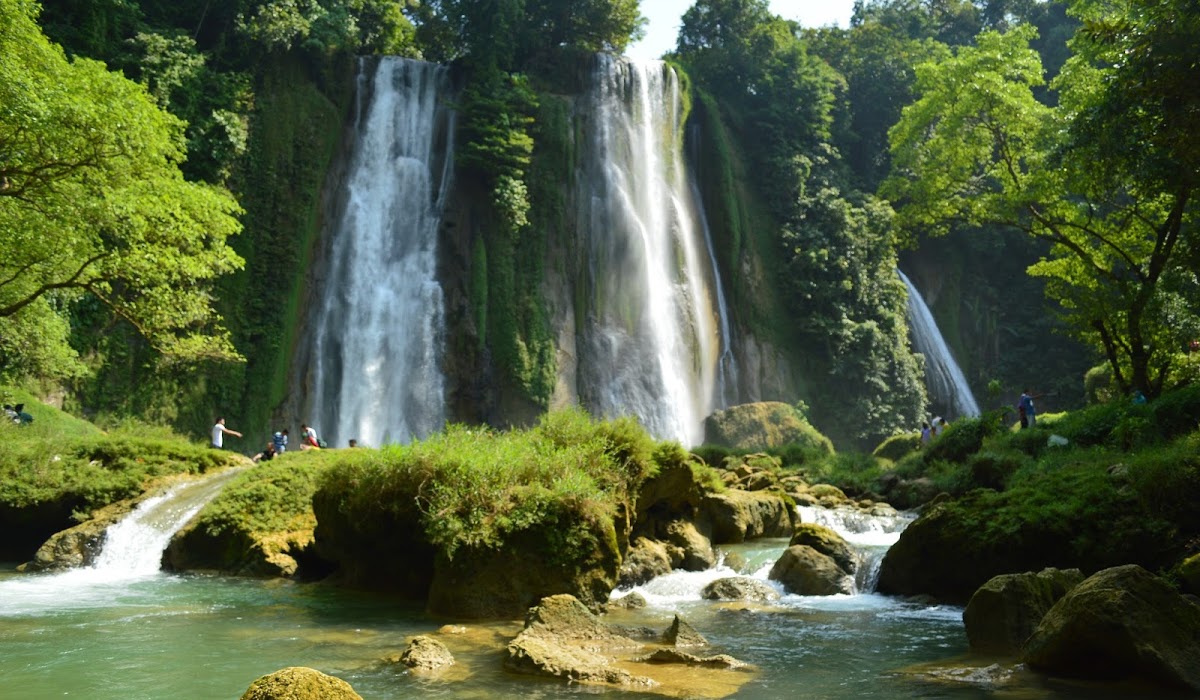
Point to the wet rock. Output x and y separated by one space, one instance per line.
629 601
300 683
828 495
426 655
1120 622
645 559
826 542
805 571
1007 609
740 588
674 656
563 639
681 634
688 548
736 516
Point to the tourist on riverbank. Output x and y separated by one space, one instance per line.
218 433
1025 408
280 440
308 438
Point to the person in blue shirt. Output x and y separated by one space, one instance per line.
280 440
1025 406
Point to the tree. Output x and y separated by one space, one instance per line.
92 201
1092 176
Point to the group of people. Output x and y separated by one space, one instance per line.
931 429
278 443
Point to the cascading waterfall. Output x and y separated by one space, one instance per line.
871 535
378 332
131 552
944 377
652 340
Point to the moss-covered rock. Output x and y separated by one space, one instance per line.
826 542
1189 572
805 571
300 683
1120 622
1008 608
645 559
763 425
426 655
739 588
898 447
735 516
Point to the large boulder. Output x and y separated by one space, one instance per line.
761 426
688 548
77 546
827 542
299 683
645 560
1008 608
739 588
1120 622
736 516
805 571
563 639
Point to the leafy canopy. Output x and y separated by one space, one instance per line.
92 201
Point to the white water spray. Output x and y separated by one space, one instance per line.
944 377
652 340
378 333
131 553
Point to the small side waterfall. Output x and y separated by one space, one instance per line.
378 332
131 553
944 378
652 338
870 535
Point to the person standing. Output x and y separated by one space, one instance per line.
926 435
280 440
1025 407
218 433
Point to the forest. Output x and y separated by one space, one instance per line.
163 165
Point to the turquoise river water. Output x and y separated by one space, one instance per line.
93 633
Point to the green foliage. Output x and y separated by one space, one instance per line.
978 148
93 200
898 446
475 488
273 497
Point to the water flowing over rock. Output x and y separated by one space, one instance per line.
374 372
650 343
947 385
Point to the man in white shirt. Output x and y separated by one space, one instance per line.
218 433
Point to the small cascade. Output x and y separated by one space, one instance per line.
871 535
378 329
944 378
131 553
653 335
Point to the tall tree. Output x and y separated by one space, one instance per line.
1106 177
92 201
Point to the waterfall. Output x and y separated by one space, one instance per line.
652 339
131 552
870 535
378 331
944 378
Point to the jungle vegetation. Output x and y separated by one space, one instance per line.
162 162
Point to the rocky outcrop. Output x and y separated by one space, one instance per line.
674 656
763 425
77 546
645 559
804 571
1008 608
563 639
629 601
300 683
426 655
687 547
682 634
1120 622
736 516
829 543
740 588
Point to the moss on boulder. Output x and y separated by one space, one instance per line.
1006 610
763 425
300 683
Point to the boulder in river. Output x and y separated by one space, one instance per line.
1008 608
805 571
740 588
1120 622
300 683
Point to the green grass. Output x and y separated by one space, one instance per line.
477 488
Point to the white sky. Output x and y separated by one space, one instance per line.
664 15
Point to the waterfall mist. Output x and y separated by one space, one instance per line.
652 339
947 385
377 340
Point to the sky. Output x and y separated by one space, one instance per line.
663 28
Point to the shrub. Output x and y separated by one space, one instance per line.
898 446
